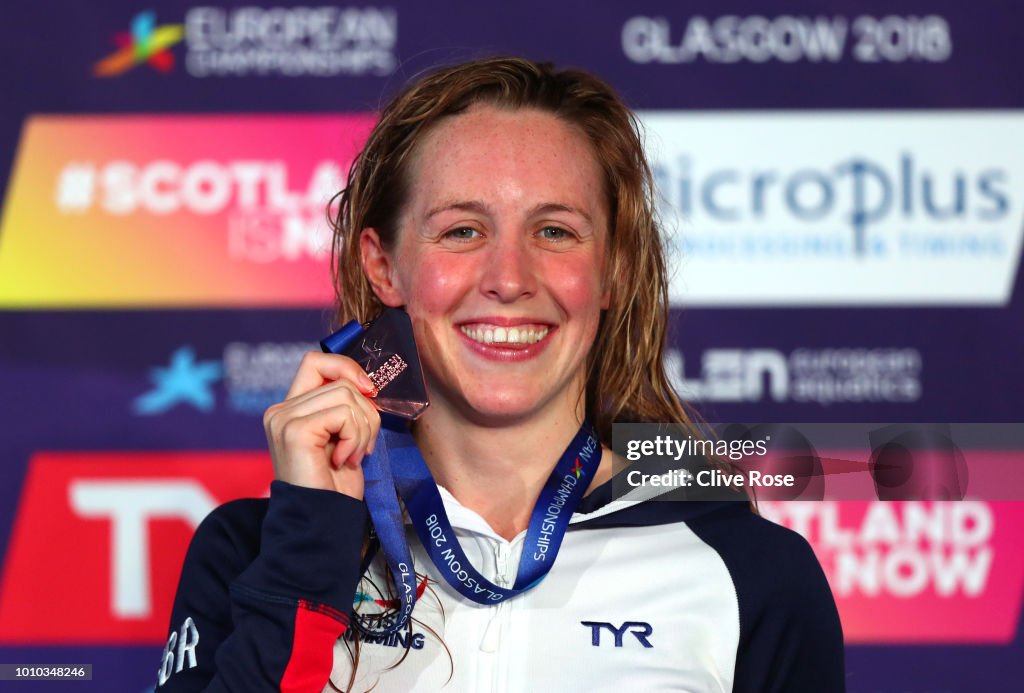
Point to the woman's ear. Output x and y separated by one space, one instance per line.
379 269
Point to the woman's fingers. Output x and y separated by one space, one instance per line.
319 435
306 432
336 394
315 369
306 447
326 396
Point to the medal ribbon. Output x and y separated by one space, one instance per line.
396 463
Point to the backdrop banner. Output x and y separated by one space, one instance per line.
842 189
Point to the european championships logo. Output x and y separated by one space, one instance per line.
145 43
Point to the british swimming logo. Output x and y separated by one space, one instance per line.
144 43
363 597
406 641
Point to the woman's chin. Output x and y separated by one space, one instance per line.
497 408
510 399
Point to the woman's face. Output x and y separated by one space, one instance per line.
499 262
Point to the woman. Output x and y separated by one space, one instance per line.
506 207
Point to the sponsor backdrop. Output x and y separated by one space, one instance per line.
842 184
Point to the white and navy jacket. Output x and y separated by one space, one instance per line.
658 595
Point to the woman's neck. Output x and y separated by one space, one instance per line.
498 471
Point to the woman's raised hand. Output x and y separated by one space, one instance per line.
325 426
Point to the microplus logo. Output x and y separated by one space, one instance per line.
840 208
858 192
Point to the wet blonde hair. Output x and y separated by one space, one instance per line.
626 378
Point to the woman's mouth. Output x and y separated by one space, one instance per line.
501 336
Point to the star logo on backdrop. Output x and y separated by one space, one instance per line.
184 381
145 43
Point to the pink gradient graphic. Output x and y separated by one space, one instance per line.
917 571
162 211
846 475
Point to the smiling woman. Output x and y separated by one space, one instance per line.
499 261
507 208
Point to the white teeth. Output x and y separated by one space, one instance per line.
502 335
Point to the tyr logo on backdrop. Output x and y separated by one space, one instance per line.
99 539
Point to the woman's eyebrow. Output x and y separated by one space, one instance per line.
479 207
548 207
459 206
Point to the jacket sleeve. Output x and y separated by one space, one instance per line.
265 591
791 639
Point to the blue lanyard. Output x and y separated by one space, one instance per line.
389 526
396 463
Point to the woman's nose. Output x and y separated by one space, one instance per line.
509 273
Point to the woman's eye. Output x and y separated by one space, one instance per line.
462 234
553 233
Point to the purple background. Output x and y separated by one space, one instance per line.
88 366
